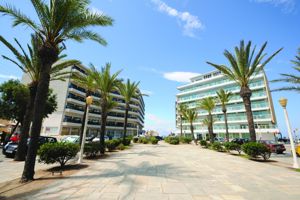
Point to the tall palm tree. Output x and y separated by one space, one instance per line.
106 83
243 66
89 84
58 21
128 90
208 104
181 110
30 65
291 78
191 115
224 97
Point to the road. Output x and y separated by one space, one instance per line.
175 172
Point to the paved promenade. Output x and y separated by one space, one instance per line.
175 172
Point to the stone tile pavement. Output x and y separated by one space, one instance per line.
183 172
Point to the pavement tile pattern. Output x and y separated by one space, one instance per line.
182 172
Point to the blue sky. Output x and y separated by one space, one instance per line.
155 41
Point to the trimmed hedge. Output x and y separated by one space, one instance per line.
203 143
231 146
153 140
121 147
91 149
60 152
111 145
135 139
185 140
254 149
127 141
217 146
143 140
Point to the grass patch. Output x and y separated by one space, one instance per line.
297 170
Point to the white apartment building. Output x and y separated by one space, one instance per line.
206 85
66 120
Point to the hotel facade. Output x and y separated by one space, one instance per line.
206 85
67 119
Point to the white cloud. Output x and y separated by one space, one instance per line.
191 23
162 126
147 92
287 5
182 77
4 76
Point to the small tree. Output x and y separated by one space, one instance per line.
208 104
191 115
61 153
181 109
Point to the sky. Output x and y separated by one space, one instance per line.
162 43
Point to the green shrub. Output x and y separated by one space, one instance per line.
127 141
91 149
167 139
60 152
217 146
121 147
174 140
143 140
231 146
153 140
203 143
112 144
185 139
254 149
135 139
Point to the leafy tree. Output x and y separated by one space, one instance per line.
243 66
128 90
58 21
106 83
291 78
208 122
30 65
224 98
13 100
191 115
208 104
181 109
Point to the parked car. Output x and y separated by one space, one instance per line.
97 139
219 139
71 139
273 146
240 140
10 149
284 140
159 138
15 137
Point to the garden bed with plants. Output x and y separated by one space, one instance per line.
252 150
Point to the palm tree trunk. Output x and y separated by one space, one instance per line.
48 56
246 93
83 119
210 128
192 132
22 146
226 126
103 125
125 123
180 125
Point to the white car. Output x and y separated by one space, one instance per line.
71 139
97 139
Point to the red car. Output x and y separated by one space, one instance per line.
15 138
274 147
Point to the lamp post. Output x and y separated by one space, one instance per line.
283 103
89 101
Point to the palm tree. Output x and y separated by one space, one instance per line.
243 66
291 78
58 21
181 109
106 83
128 90
208 104
224 97
30 65
89 84
191 115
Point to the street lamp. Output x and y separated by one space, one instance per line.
283 103
89 101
